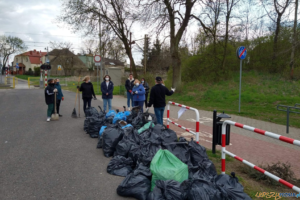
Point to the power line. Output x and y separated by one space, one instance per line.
41 34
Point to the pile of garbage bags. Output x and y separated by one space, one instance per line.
155 163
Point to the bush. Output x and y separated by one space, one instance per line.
29 72
37 71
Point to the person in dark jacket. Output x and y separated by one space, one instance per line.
87 90
146 87
129 85
158 99
49 98
138 93
59 95
107 88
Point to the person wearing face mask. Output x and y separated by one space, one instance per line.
146 87
49 98
107 88
59 95
87 90
138 92
129 85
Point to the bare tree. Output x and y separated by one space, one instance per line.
280 7
10 45
173 15
292 64
61 45
115 13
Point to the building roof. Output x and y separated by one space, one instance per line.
34 56
113 62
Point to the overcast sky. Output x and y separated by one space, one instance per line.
34 22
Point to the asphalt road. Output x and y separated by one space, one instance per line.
49 160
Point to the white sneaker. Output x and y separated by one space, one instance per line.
48 119
129 109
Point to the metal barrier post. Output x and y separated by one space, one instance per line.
14 82
262 132
287 119
223 163
288 111
197 119
29 82
214 134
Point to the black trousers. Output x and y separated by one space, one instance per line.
146 97
86 102
57 105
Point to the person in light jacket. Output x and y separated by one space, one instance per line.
107 88
138 92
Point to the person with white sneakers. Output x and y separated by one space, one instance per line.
49 98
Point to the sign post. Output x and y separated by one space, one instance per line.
241 54
97 60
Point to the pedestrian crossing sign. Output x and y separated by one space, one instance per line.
59 67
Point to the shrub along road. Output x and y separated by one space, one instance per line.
49 160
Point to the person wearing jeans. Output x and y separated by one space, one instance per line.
159 113
107 88
158 99
138 92
129 85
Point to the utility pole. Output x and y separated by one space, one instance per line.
145 53
98 86
130 51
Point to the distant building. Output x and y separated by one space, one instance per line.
30 59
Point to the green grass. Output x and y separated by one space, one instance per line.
261 93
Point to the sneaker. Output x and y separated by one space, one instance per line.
129 109
48 119
60 115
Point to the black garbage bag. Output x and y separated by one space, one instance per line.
229 187
138 121
151 134
100 142
180 149
165 190
112 135
120 166
123 147
168 135
86 124
109 120
204 190
91 112
94 127
142 170
148 150
136 186
134 152
205 170
198 153
185 188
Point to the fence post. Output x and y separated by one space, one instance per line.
14 82
287 119
28 82
223 147
214 136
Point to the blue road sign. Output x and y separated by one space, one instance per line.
241 53
17 65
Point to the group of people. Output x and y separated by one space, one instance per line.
137 94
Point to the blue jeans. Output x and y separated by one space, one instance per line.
105 101
129 96
159 113
139 103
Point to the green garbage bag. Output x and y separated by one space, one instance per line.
145 127
166 166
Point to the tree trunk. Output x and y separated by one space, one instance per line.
226 41
275 47
292 64
129 54
176 64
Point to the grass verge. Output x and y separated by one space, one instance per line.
261 93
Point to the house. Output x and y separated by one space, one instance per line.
27 60
64 62
88 60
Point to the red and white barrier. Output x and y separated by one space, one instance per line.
46 78
186 129
266 133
